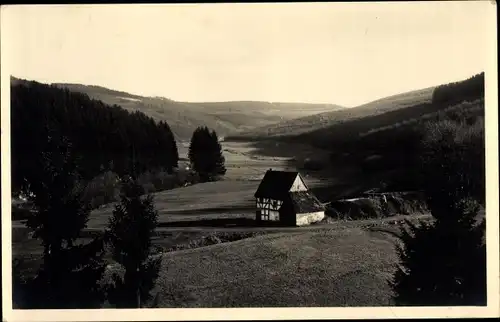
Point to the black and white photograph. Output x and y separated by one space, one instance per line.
267 157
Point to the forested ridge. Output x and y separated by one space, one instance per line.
399 142
103 137
457 92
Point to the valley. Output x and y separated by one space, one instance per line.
213 253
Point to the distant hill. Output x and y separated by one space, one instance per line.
183 117
323 129
394 111
320 121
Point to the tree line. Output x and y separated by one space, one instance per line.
457 92
103 137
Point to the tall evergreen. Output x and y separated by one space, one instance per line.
171 153
70 272
205 154
444 262
130 232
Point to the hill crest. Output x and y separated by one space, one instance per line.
225 118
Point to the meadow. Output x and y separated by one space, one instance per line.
340 265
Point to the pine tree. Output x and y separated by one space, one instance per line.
130 231
70 273
171 153
444 262
219 168
205 154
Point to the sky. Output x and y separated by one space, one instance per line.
339 53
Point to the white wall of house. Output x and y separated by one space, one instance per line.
308 218
269 208
298 185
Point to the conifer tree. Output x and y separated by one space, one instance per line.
205 154
218 158
171 153
70 273
130 232
444 262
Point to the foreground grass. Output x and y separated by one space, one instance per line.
345 263
313 268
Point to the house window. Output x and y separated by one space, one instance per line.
265 214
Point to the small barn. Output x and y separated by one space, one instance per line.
283 197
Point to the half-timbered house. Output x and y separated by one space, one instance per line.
283 197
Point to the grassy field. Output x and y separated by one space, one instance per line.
335 267
200 201
340 264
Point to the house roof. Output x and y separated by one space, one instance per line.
305 201
276 184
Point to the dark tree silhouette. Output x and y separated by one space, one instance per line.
205 154
70 273
170 156
444 263
130 231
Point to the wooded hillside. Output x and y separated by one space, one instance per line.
103 137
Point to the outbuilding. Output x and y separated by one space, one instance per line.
283 197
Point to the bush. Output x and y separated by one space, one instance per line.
361 208
159 180
377 206
453 161
103 189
